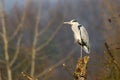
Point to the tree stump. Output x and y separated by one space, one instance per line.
81 68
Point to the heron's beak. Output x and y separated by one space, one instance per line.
67 23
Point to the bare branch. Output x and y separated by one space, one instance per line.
46 27
17 51
35 42
0 74
1 34
57 64
2 61
5 40
27 76
67 69
20 25
50 39
20 64
111 55
16 31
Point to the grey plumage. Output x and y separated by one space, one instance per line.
80 35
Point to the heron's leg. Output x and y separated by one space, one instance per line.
81 52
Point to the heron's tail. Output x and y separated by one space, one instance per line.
86 49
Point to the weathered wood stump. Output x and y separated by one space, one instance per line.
81 68
27 76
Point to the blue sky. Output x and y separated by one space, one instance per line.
10 3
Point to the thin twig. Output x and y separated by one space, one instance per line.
67 69
57 64
50 39
19 65
0 74
20 25
1 34
5 40
111 55
17 51
2 61
46 27
27 76
33 55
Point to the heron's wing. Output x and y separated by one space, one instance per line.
84 35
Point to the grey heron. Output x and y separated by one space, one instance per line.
80 35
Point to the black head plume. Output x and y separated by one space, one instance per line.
74 20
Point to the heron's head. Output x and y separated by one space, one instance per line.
71 22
